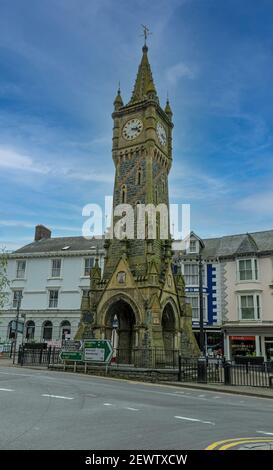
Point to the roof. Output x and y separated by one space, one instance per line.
236 245
48 245
144 82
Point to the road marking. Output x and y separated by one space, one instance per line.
266 433
132 409
235 441
108 404
6 390
215 398
57 396
201 396
194 419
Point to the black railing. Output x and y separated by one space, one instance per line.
38 357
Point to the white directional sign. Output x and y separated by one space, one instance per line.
96 350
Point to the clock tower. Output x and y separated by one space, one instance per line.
138 289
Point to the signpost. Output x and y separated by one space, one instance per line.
71 356
98 350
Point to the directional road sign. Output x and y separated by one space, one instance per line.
98 350
71 356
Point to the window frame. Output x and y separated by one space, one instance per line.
254 270
17 269
52 276
49 299
257 306
205 306
14 300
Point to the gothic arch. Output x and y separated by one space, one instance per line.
120 296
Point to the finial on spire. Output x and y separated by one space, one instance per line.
168 109
118 103
146 33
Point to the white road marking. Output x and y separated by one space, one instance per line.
57 396
201 396
266 433
194 420
132 409
108 404
215 398
6 390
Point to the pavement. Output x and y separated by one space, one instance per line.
42 409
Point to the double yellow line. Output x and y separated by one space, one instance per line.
231 443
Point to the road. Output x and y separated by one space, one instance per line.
57 410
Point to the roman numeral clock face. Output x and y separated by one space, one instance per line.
132 129
161 134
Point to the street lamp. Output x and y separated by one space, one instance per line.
115 325
201 306
16 326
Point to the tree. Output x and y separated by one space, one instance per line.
4 282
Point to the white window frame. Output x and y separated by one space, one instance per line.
23 271
15 301
257 305
204 274
53 260
49 300
84 265
205 306
254 270
193 240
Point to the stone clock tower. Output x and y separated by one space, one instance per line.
138 289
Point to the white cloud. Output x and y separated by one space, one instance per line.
259 203
178 71
13 160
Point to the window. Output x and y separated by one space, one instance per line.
193 300
21 269
248 269
53 298
56 268
250 307
88 265
192 246
30 330
17 296
191 274
47 331
65 328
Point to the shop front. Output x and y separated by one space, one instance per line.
254 340
242 346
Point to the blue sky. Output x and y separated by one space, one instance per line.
60 63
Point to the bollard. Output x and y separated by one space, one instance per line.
227 373
202 370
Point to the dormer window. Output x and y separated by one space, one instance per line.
193 246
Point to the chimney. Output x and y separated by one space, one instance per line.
42 232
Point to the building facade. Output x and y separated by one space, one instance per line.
49 277
237 291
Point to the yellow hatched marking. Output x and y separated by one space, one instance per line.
233 444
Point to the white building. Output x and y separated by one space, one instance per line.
50 274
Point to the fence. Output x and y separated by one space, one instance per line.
186 370
38 357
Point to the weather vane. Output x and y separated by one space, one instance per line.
146 33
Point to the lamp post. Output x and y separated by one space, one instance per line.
115 325
201 306
16 326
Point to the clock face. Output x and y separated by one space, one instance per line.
161 134
132 129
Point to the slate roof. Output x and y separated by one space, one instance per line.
48 245
234 245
